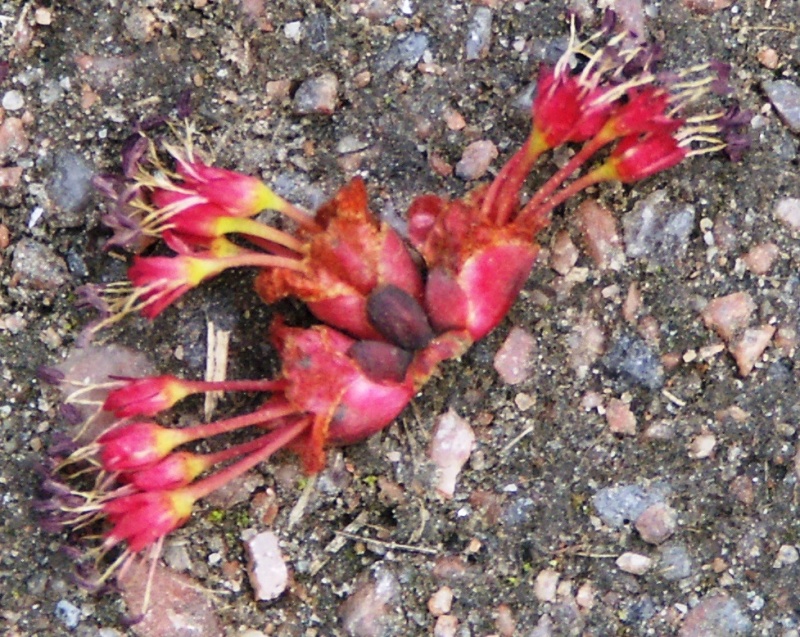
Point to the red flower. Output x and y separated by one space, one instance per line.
174 471
565 110
160 281
237 194
145 396
143 518
137 445
635 157
644 112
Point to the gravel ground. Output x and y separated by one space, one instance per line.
636 466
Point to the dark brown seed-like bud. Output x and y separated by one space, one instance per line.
399 318
381 361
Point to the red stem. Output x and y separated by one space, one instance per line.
199 386
534 217
211 459
561 175
272 443
272 410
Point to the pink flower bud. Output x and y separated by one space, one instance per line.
174 471
635 157
143 518
136 445
145 396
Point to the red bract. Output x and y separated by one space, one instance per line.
345 259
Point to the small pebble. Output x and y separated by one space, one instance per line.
10 176
38 266
365 612
747 349
476 159
785 97
43 16
514 360
619 504
787 555
441 601
446 626
702 446
479 34
716 615
787 211
598 227
760 258
620 418
563 253
266 567
674 562
178 605
317 95
68 614
657 229
451 446
657 523
728 315
768 57
585 595
544 588
453 119
505 622
707 7
13 140
13 100
586 342
405 52
634 360
634 563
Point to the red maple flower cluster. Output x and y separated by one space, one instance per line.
390 308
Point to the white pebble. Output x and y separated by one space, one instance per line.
13 101
634 563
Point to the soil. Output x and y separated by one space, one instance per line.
522 504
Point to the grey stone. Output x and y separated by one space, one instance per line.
625 503
479 34
632 359
658 229
785 97
68 614
404 52
38 266
70 189
675 562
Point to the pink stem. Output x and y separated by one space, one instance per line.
211 459
558 178
271 443
199 386
536 217
254 259
273 409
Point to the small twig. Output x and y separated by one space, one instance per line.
299 508
673 398
525 432
392 546
217 342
